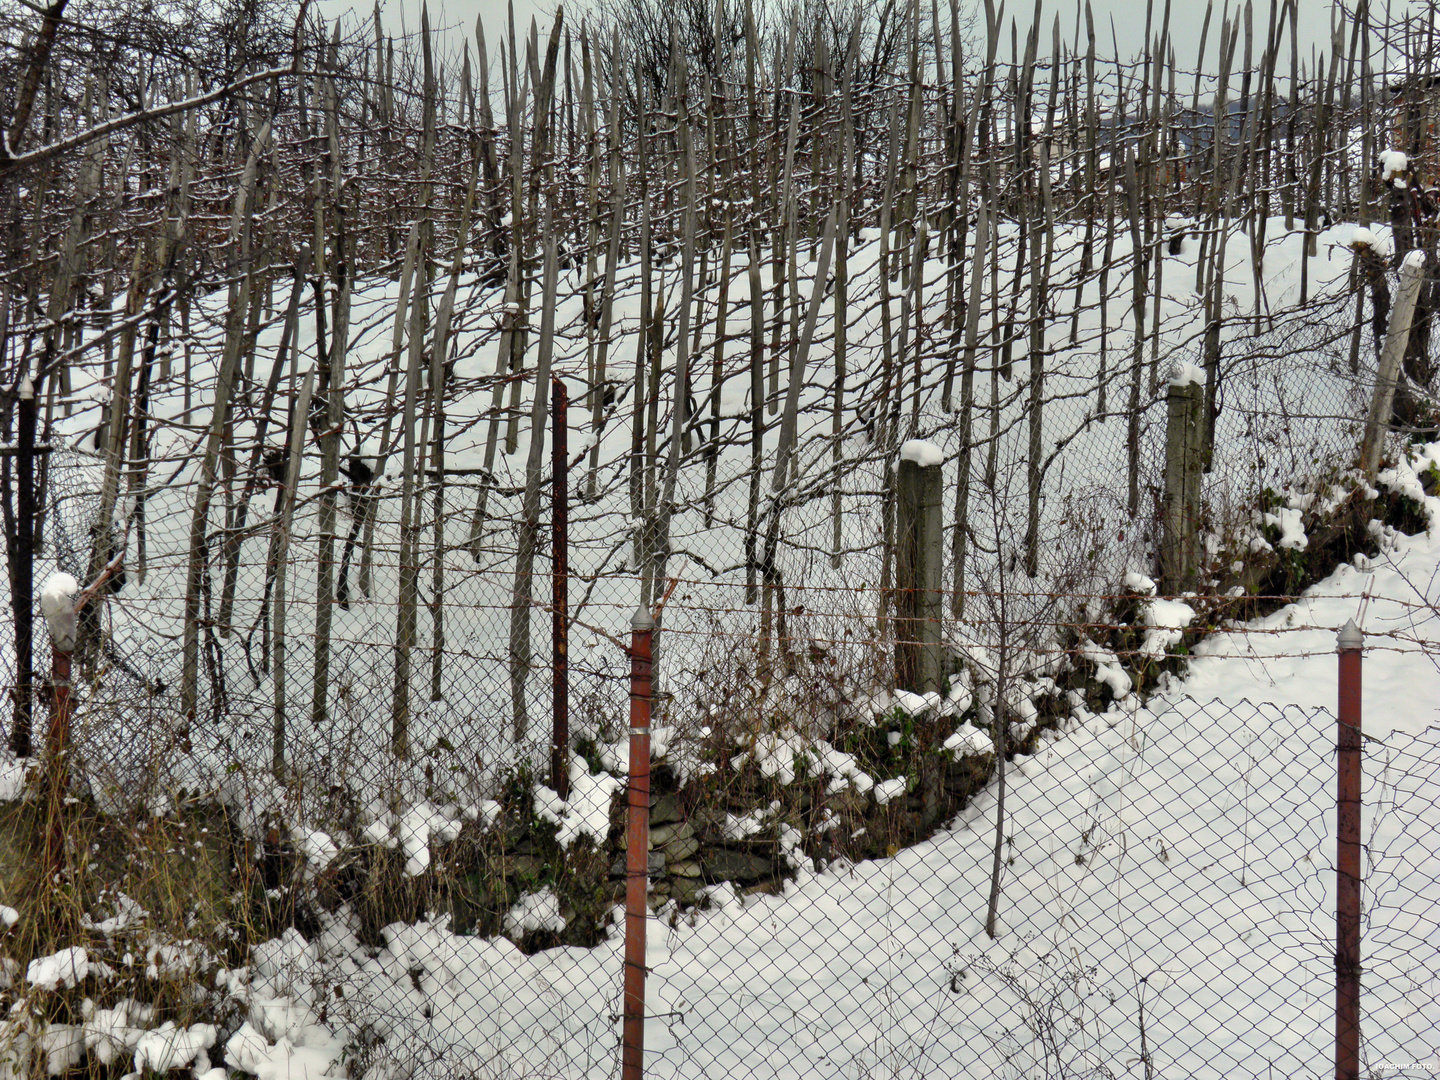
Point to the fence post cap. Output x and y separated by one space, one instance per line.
641 620
1349 637
57 604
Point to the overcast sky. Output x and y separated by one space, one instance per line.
1186 19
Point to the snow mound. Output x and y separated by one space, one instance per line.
1166 620
587 812
65 968
535 911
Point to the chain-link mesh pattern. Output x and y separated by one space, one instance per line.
777 947
339 691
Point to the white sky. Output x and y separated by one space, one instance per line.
1186 19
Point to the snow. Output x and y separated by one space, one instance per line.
1183 374
748 824
57 604
58 593
1292 531
8 916
65 968
587 812
127 915
1414 260
1362 237
63 1046
921 452
414 830
967 740
250 1052
12 778
113 1033
1165 620
170 1047
535 911
888 790
1392 164
914 703
1108 669
317 847
776 752
1139 584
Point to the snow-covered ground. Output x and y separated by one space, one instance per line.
1290 404
1167 907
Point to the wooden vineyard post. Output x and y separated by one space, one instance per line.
1396 338
1184 462
919 545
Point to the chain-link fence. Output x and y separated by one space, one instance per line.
823 849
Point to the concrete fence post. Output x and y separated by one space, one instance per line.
1347 862
1397 337
637 849
1184 466
919 548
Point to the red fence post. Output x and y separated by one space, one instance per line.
559 608
62 610
637 849
1349 643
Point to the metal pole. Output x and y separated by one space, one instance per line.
59 740
23 598
56 748
637 849
1347 864
559 609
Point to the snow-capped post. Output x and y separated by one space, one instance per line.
1349 643
637 849
61 609
1184 462
560 606
919 550
1397 336
23 582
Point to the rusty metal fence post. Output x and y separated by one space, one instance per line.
1347 864
61 607
559 608
637 849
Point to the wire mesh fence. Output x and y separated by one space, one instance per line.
821 849
319 718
